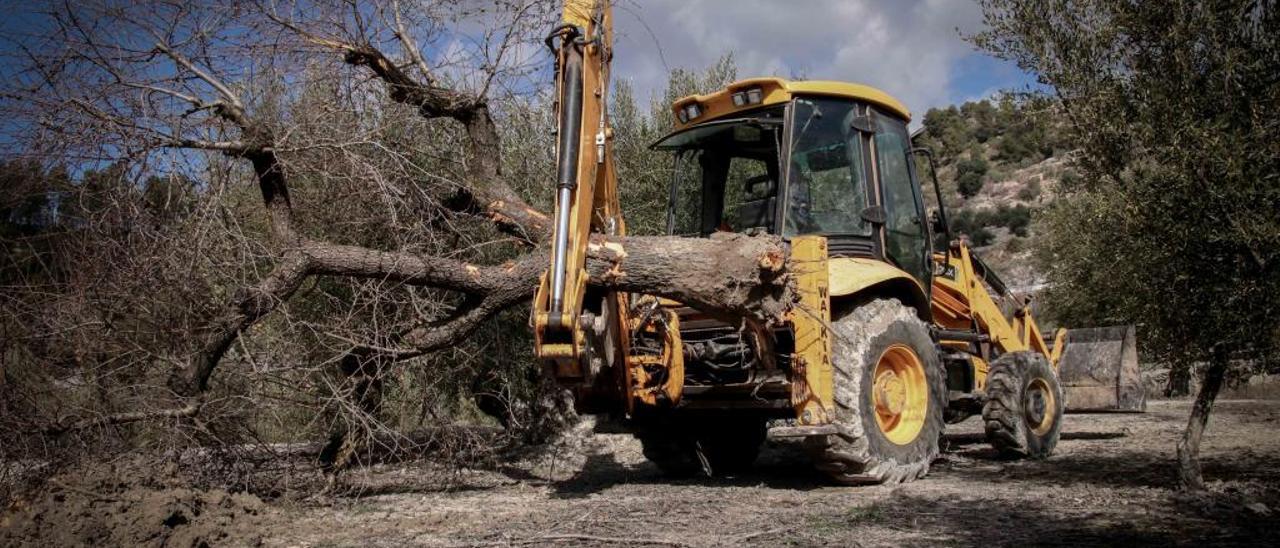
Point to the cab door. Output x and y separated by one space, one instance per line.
905 237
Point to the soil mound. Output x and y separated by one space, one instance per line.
109 505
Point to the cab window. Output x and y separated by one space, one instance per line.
827 190
905 237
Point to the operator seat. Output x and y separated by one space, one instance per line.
759 208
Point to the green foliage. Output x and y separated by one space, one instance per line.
1173 222
645 175
980 236
946 132
1017 129
975 224
969 175
1070 179
1016 218
1027 134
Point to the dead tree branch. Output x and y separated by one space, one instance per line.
187 411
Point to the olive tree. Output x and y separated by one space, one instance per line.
1173 224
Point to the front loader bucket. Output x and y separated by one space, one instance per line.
1099 370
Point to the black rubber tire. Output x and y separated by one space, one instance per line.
1004 413
715 448
731 446
675 453
860 453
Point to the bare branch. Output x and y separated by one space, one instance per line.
248 306
217 84
186 411
231 148
410 47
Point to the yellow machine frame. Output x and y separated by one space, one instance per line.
778 91
587 202
962 302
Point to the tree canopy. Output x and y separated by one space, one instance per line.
1173 223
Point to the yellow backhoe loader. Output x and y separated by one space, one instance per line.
891 339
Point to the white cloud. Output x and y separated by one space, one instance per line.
907 48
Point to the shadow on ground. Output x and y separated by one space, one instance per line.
779 467
975 521
1116 467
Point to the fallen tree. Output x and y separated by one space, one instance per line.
164 89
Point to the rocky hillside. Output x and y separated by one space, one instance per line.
999 163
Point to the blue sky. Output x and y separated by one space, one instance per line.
912 49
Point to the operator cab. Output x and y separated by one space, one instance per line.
795 158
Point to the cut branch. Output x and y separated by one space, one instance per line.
731 276
418 270
513 217
431 101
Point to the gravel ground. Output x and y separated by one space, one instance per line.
1110 482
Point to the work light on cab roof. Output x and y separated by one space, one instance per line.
753 93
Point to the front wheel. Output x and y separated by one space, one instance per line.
889 396
1023 413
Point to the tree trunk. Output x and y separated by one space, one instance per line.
361 392
1189 447
1179 383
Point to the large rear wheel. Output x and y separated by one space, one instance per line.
889 396
1023 413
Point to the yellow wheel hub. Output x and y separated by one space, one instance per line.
1039 407
900 394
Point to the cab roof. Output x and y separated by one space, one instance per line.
777 91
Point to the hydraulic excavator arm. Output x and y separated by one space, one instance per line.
968 313
586 198
585 334
1097 367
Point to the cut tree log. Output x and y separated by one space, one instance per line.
731 276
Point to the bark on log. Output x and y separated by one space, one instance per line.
731 276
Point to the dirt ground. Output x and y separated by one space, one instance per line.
1110 482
